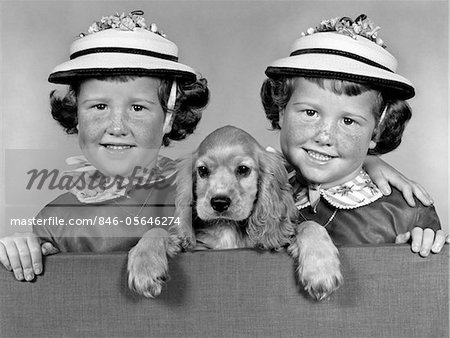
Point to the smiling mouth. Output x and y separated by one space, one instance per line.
319 156
117 146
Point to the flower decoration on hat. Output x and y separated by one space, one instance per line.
126 22
361 26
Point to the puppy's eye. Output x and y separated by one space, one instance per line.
203 171
243 171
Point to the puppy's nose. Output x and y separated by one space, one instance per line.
220 203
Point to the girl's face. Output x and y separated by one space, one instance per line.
326 136
121 124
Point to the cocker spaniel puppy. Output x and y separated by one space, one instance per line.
232 194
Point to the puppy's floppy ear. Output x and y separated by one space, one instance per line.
183 232
271 223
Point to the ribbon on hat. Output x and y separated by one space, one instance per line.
383 115
172 95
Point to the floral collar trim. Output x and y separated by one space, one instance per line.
355 193
91 186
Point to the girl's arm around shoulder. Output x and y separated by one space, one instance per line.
384 176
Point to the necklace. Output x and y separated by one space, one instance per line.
329 220
140 209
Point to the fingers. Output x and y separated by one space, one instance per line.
21 253
47 248
4 257
14 259
25 263
384 186
403 238
421 194
383 175
416 235
439 241
427 242
381 182
407 192
34 247
411 189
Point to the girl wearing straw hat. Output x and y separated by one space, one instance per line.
337 98
128 96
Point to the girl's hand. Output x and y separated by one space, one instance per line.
22 253
383 175
424 240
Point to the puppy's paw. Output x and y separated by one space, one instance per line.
319 267
185 240
148 267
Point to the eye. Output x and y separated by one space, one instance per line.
243 171
348 121
137 108
203 171
100 106
310 113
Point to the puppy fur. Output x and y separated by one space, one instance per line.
232 193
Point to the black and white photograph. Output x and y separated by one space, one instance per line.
224 168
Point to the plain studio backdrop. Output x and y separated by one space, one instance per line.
230 43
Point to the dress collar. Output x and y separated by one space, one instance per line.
355 193
91 186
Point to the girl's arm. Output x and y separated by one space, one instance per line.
384 175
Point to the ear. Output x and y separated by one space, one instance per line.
375 137
182 228
271 223
168 121
281 117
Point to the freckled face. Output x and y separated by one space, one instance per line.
326 136
121 124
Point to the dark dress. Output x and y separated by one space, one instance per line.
111 225
379 221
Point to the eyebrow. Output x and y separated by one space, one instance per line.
145 100
89 99
351 115
133 99
313 105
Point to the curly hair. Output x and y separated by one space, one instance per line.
276 93
192 98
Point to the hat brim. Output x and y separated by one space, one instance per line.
108 64
341 68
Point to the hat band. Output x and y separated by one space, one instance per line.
340 53
123 50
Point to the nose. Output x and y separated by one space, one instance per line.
220 203
325 134
118 126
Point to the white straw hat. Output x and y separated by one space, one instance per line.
122 45
345 50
